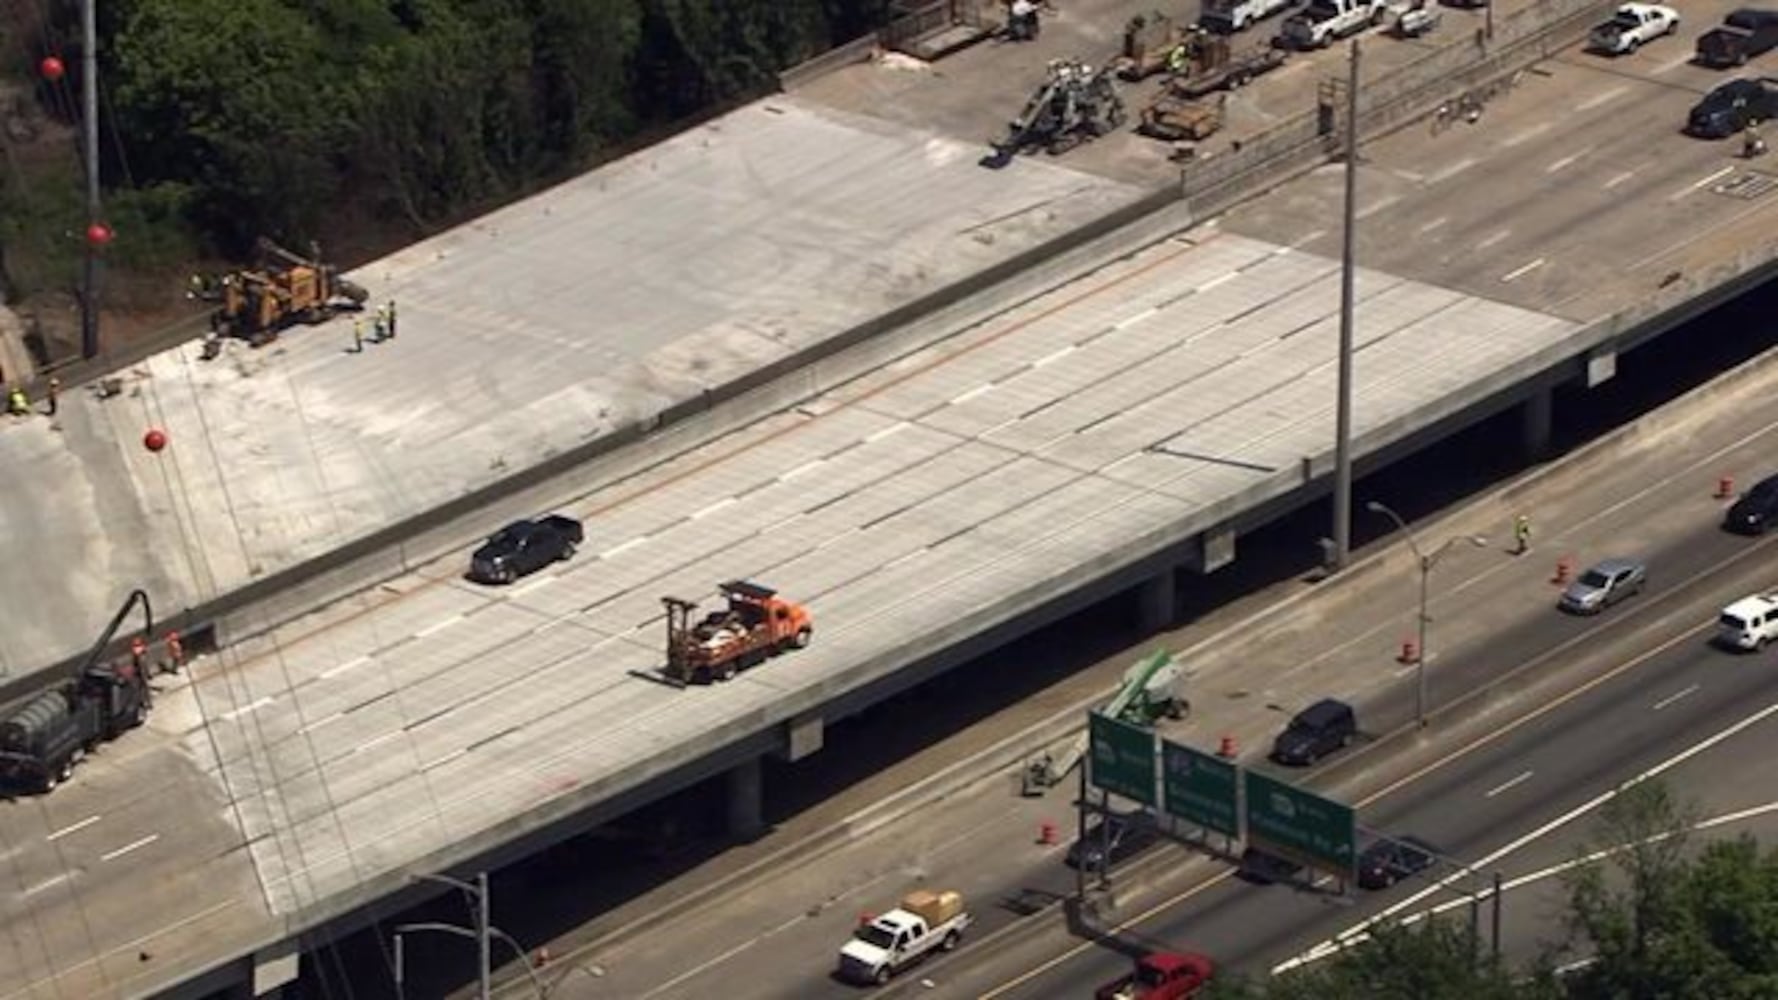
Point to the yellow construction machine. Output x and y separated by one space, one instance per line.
256 303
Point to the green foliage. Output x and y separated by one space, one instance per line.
1427 960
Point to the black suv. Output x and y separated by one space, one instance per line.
1129 835
1387 862
1732 107
1755 511
1316 731
525 547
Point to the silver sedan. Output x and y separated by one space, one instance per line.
1604 585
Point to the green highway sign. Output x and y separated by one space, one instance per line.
1122 759
1294 823
1200 788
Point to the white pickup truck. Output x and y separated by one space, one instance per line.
1633 24
1324 21
1229 16
925 922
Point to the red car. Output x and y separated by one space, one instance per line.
1163 975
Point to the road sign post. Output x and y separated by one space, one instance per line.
1122 760
1299 825
1201 788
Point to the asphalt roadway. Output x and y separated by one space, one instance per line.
1645 491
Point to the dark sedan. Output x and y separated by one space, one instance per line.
1127 836
1732 107
1387 862
524 547
1755 511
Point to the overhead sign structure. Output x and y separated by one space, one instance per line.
1201 788
1122 761
1297 824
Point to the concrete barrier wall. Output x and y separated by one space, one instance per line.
855 51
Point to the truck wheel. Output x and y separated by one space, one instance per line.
726 672
951 941
802 638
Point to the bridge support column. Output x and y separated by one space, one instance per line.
1212 550
803 735
1601 366
1157 601
746 800
1536 414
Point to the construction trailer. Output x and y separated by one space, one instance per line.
255 304
754 624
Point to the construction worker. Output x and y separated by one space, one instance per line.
17 403
1021 24
138 651
1522 534
357 335
380 326
175 652
55 391
1751 143
1178 59
391 319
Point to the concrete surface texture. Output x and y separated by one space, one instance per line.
1645 491
549 323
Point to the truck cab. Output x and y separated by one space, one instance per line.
1162 975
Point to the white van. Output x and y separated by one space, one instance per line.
1749 623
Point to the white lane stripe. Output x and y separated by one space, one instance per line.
1520 272
245 709
131 846
1451 171
1670 699
439 626
1567 161
699 515
1503 786
1434 224
625 547
1129 321
1489 241
351 664
1525 135
1619 179
1300 241
1214 283
1054 356
536 583
1347 936
808 466
446 759
892 429
386 737
1704 182
1377 206
971 394
1604 98
318 723
48 883
73 827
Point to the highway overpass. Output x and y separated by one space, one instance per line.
1101 423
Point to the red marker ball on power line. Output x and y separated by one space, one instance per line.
155 439
52 69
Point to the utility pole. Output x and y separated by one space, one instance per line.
89 86
1342 501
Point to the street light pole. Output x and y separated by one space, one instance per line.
89 88
1342 499
1426 562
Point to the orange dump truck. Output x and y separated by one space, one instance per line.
755 623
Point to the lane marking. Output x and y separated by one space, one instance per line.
535 583
1670 699
1705 182
1054 356
1377 206
1520 272
1598 99
1451 171
806 467
48 883
31 989
1129 321
386 737
446 759
439 626
632 543
703 512
73 827
245 709
1526 135
131 846
878 435
1567 161
1503 786
977 391
1301 241
1619 179
1489 241
1672 64
351 664
318 723
1434 224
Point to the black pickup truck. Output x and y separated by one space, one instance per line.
1745 33
524 547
